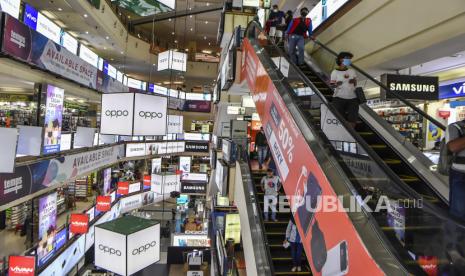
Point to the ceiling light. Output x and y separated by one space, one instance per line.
190 16
192 29
176 41
208 4
85 15
104 48
205 37
60 9
209 44
107 37
206 22
112 59
129 16
87 32
187 50
122 52
172 33
169 19
154 64
190 8
206 52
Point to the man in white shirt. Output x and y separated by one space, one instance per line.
344 81
455 139
271 184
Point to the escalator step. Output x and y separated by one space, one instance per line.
378 146
392 161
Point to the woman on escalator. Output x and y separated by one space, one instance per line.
344 81
293 237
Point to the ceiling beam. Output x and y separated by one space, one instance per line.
175 14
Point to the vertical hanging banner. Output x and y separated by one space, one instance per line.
47 227
147 181
79 223
103 203
303 177
53 119
21 266
123 188
150 113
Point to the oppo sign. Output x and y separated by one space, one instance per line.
133 114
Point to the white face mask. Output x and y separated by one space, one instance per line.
275 10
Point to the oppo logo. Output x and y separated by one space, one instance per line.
143 248
109 250
332 121
117 113
21 270
151 115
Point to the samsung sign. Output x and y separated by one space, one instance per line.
452 90
412 87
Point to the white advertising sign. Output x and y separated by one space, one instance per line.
163 60
150 115
156 166
195 177
199 96
84 137
69 42
67 260
110 251
172 60
100 63
185 164
119 76
65 141
88 55
173 93
11 7
165 184
134 187
130 203
8 150
30 140
332 127
135 149
90 237
46 27
196 136
143 248
159 90
175 124
316 15
133 83
58 61
333 5
112 72
117 114
251 3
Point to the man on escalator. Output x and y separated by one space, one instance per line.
344 81
455 139
298 30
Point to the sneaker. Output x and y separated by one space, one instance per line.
299 269
294 269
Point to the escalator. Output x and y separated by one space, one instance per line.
414 236
275 234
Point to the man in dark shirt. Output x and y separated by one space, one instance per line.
276 19
261 146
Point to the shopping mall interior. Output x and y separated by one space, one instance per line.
284 137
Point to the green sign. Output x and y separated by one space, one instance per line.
142 7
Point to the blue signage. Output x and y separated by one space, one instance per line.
105 67
452 90
60 239
151 87
30 16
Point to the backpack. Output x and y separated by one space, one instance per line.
446 157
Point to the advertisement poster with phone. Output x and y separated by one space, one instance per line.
53 119
47 227
106 181
325 245
185 164
67 260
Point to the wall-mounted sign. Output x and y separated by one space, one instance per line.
69 42
185 164
88 55
175 124
123 188
235 110
21 265
30 16
49 29
79 223
8 156
158 89
411 87
193 187
103 203
453 90
202 177
196 146
11 7
196 136
172 60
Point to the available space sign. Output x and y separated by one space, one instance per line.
302 175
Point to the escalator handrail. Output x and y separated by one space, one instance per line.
384 87
244 157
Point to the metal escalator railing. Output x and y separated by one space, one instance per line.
353 168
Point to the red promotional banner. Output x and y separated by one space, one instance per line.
79 223
123 188
21 265
325 234
429 264
103 203
147 180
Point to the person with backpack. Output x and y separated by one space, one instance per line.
455 141
298 30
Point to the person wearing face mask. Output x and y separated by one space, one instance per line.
298 30
276 18
344 81
271 184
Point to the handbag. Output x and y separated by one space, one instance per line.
286 245
360 95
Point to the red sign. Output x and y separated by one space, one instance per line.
147 180
429 264
21 265
123 188
444 113
79 223
103 203
300 171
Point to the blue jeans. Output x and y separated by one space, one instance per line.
271 205
299 41
262 150
296 253
457 193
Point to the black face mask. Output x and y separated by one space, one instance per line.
303 14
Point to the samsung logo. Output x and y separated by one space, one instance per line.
412 87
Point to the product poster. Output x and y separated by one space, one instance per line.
47 227
232 228
434 133
106 181
156 166
53 119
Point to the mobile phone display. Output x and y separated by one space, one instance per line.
337 263
312 192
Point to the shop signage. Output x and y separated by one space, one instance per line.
203 177
193 187
79 223
196 136
197 106
185 164
150 113
332 127
53 119
11 7
19 41
21 266
8 156
158 89
453 90
172 60
47 221
196 146
165 184
117 114
298 168
175 124
30 16
130 203
134 187
444 114
67 260
103 203
69 42
88 55
411 87
123 188
136 149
